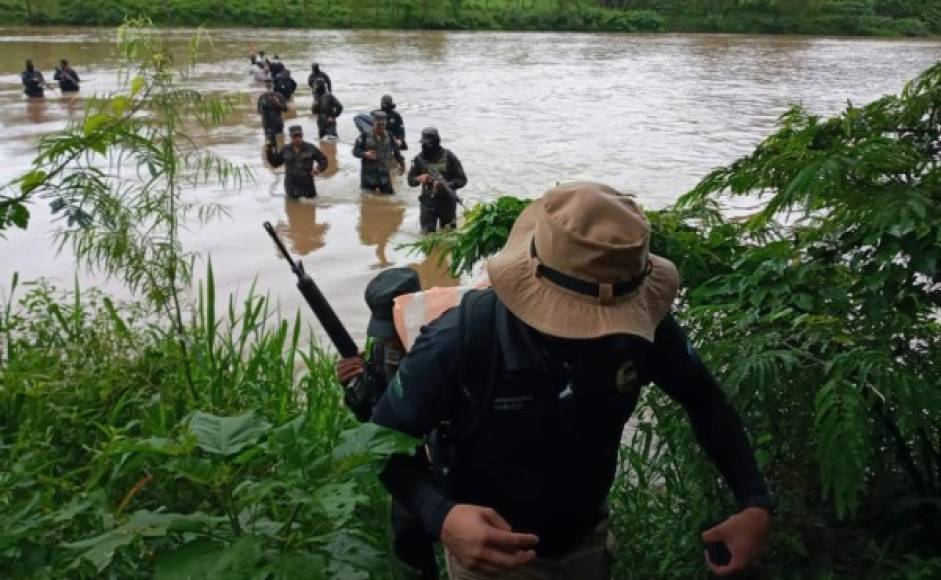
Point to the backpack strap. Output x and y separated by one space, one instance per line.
478 358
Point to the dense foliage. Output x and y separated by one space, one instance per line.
853 17
820 316
112 469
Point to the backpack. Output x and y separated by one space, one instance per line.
477 364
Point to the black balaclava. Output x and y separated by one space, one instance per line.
315 68
29 66
387 104
430 143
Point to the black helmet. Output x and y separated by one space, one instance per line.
430 136
386 101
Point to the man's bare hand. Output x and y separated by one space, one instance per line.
745 534
370 155
349 368
484 542
423 178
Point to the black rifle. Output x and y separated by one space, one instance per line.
363 391
438 180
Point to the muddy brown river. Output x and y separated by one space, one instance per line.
650 114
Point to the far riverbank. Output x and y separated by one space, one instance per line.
807 17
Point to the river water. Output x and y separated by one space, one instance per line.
649 114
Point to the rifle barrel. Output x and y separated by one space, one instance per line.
338 334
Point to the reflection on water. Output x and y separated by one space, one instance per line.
379 218
37 110
329 149
433 271
302 230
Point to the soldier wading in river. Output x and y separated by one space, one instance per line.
377 149
298 158
272 106
33 81
327 108
437 208
532 382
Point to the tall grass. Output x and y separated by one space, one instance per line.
110 469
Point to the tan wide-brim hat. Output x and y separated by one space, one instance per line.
577 265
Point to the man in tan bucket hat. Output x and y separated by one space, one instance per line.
525 389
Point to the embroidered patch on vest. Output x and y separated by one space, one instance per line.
627 377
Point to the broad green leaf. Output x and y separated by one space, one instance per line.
203 559
339 502
99 550
227 435
299 565
349 556
373 441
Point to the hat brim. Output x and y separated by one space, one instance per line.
558 312
380 328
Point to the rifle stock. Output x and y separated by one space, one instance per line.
338 334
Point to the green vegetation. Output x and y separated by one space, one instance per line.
155 439
163 439
819 315
839 17
111 468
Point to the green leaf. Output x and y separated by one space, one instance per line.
227 435
203 559
95 122
31 180
299 565
99 550
19 215
120 104
137 84
351 557
373 441
339 502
